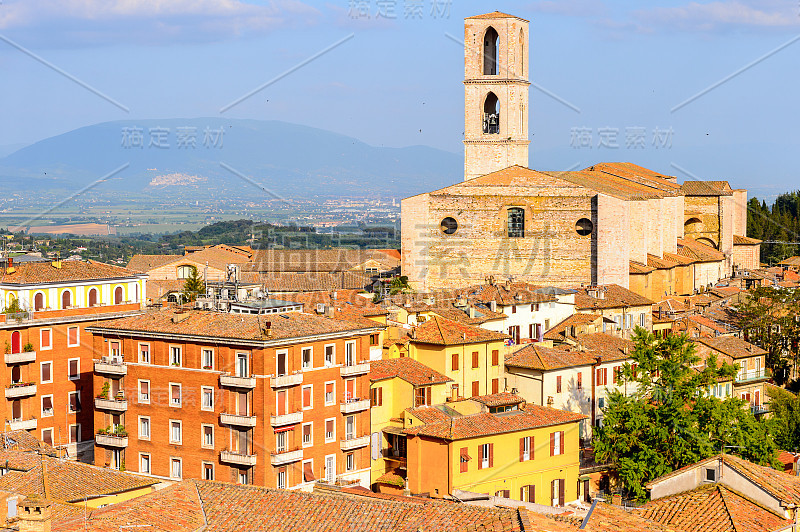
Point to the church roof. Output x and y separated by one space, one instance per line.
495 14
745 241
638 174
707 188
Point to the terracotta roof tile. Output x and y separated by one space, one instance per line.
698 251
441 331
498 399
706 188
608 347
608 296
733 347
70 271
145 263
745 241
406 368
533 356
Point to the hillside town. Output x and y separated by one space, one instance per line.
597 349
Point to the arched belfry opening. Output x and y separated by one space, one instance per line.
491 114
490 40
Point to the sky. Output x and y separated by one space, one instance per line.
696 89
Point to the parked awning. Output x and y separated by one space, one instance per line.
284 429
308 474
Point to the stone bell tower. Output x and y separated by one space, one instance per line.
495 93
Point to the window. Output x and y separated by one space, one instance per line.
144 427
144 463
208 436
711 474
75 401
422 396
242 363
350 462
74 366
349 427
175 468
73 337
513 309
175 356
281 360
556 443
144 353
308 436
373 339
584 227
495 357
454 362
208 471
464 460
330 393
47 436
208 359
448 225
281 445
308 401
376 396
350 390
525 448
66 299
476 386
495 386
207 399
38 301
175 431
114 349
184 272
485 455
330 355
242 476
557 492
144 392
308 358
642 319
75 433
491 114
45 339
474 360
350 354
579 382
330 430
602 376
47 405
174 395
281 480
516 222
47 372
527 493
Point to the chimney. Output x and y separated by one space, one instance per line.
471 312
10 262
493 305
35 515
268 329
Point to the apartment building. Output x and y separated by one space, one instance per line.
208 395
627 309
48 353
752 376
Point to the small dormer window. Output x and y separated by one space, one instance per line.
711 474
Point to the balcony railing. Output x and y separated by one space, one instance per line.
114 405
286 419
20 390
349 444
358 369
110 367
111 440
22 424
395 456
21 358
286 457
753 374
233 381
286 380
237 420
231 457
355 405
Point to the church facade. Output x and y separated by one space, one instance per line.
600 225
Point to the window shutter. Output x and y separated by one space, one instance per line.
580 380
495 385
531 493
491 454
532 446
563 442
428 396
552 443
522 493
476 388
474 359
561 485
552 491
454 363
480 456
522 450
380 396
605 376
558 384
464 453
495 357
598 377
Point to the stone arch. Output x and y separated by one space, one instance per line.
491 114
490 52
693 225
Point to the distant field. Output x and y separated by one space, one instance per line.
157 229
72 229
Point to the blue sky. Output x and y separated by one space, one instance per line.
396 81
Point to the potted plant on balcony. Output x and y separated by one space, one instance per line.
27 348
119 396
104 393
7 348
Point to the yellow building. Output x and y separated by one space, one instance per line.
528 452
398 384
471 356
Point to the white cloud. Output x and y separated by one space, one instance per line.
93 22
723 15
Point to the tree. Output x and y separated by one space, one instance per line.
784 422
193 286
398 285
672 420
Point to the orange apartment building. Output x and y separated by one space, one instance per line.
48 353
281 401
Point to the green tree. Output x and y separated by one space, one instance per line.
671 420
398 285
193 286
784 422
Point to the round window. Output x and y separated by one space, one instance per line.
449 225
584 227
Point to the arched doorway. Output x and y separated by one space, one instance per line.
38 301
66 299
92 297
118 295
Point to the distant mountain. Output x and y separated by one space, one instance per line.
184 157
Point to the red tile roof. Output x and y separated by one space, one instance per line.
733 347
608 296
405 368
441 331
145 263
70 271
706 188
608 347
484 424
745 241
698 251
498 399
534 356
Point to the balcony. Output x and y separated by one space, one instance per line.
355 405
753 375
354 443
233 381
111 440
23 424
110 367
114 405
358 369
237 420
21 358
286 380
286 419
277 459
230 457
396 456
20 390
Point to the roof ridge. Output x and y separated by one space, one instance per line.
722 494
202 505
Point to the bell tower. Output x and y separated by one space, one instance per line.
495 93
